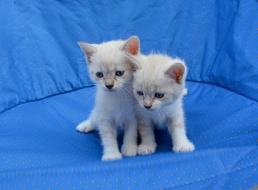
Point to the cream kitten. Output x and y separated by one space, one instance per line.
158 86
114 105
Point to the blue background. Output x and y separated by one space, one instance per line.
40 60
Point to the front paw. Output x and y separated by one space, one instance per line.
84 127
129 150
111 156
185 146
144 149
185 91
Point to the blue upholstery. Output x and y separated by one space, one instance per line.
45 91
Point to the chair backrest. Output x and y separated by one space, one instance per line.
39 56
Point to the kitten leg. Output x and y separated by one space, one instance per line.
148 144
181 143
85 126
108 134
129 147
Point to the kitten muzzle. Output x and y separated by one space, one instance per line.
147 102
109 84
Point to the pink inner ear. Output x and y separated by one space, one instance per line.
133 47
88 50
89 57
176 72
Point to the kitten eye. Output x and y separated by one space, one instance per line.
119 73
99 74
159 95
140 93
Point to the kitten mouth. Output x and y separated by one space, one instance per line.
109 90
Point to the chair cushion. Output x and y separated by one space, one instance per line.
40 149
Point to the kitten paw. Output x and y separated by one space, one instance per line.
129 150
185 146
144 149
185 91
111 156
84 127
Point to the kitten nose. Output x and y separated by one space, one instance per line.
147 106
109 86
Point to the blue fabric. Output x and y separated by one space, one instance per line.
44 151
39 58
39 55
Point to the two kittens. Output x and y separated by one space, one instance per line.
135 92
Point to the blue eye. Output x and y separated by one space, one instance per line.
99 74
159 95
119 73
140 93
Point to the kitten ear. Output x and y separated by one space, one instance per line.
176 72
88 50
132 45
134 62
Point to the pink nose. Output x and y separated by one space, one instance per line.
109 86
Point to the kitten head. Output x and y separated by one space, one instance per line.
158 81
107 63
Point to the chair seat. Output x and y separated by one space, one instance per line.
40 149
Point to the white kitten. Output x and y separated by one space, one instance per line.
114 105
159 89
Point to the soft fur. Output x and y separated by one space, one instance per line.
166 76
114 107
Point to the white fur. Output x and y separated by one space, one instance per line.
113 108
151 77
185 92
